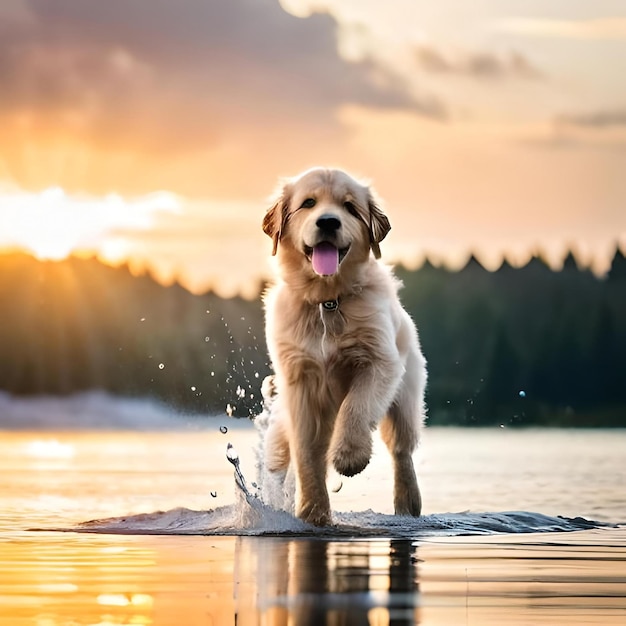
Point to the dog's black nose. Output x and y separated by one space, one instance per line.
328 223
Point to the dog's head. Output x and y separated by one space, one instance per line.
327 216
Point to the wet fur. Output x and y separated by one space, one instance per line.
339 374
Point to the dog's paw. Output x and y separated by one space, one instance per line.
349 458
315 514
409 502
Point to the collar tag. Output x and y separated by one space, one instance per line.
330 305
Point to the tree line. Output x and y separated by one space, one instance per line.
518 346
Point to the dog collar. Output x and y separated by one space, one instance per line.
330 305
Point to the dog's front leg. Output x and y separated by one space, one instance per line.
365 404
310 431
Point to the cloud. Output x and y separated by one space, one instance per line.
602 130
156 75
604 119
482 65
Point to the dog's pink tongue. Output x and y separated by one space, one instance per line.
325 259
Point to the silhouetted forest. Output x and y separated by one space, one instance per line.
519 346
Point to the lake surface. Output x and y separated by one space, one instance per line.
433 574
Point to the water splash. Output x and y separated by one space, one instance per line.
233 458
267 509
251 515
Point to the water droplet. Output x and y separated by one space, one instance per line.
223 430
214 494
207 339
231 453
522 394
229 410
143 319
212 373
256 374
161 366
193 388
337 488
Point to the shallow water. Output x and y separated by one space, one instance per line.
60 479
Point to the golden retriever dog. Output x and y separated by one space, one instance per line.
345 353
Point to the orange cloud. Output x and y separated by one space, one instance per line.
161 81
476 64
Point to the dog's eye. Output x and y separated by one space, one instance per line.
309 203
349 206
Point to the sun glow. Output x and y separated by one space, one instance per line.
50 449
52 224
124 599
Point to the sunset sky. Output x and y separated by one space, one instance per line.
154 131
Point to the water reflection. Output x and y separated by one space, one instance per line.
315 582
61 579
58 579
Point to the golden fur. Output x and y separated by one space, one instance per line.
339 373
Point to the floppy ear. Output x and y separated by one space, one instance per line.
272 223
379 226
275 220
